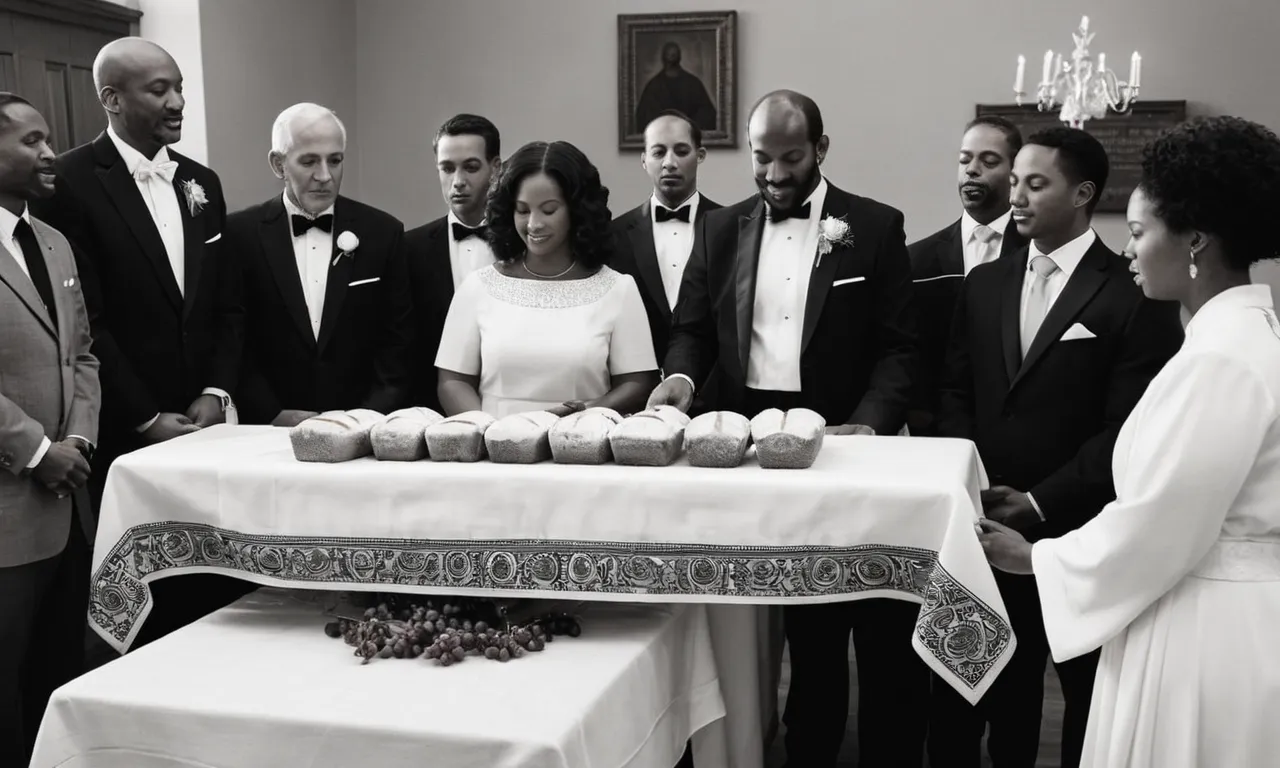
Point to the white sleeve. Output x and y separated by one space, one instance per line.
1198 432
631 344
460 342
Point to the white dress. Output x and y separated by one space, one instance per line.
1178 580
537 343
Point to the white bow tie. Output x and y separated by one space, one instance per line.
147 169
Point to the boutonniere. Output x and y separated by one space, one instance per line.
347 244
196 198
832 232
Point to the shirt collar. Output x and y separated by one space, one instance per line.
132 157
1068 256
294 210
9 222
691 201
455 220
1251 295
968 224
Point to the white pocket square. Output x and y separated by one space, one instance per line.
363 282
846 281
1077 332
214 239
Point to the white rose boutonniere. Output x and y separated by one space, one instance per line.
196 198
347 244
832 232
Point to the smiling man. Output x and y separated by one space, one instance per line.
654 239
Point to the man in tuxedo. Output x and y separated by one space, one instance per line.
327 308
654 239
441 253
49 401
940 262
1051 348
791 318
146 225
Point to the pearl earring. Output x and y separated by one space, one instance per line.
1193 271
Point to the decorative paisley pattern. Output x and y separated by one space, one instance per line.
959 630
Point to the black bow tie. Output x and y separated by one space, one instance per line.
301 224
777 215
462 231
662 213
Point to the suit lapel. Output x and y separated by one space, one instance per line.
641 234
16 279
192 239
277 244
439 264
950 253
1012 241
1011 313
1084 283
824 269
123 192
335 291
750 233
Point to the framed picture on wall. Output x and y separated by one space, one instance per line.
683 61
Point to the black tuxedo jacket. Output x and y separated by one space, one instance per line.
158 347
1047 425
937 271
431 284
361 358
858 337
636 255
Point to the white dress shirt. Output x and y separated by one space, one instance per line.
312 252
161 199
975 251
1067 258
673 242
787 252
466 256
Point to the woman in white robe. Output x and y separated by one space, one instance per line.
1178 580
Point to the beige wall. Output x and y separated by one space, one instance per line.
896 80
261 56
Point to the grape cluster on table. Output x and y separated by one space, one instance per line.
449 634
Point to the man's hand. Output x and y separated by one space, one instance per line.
1009 507
167 427
567 407
63 468
675 391
206 410
290 418
850 429
1004 547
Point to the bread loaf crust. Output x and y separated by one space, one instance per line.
652 438
789 440
401 435
717 439
521 438
583 437
459 438
334 436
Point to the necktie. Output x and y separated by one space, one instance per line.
1037 300
663 213
985 238
462 231
36 267
776 215
146 169
301 224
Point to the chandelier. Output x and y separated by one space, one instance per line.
1083 90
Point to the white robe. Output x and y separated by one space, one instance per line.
1178 580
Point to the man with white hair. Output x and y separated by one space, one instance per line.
327 305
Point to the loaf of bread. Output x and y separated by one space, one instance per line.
458 438
788 440
399 437
521 438
717 439
650 438
334 436
583 437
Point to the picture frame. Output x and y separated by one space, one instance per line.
683 61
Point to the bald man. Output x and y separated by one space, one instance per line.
146 225
327 296
789 319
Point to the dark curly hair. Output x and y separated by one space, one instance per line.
590 238
1219 175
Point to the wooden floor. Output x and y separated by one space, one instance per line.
1050 727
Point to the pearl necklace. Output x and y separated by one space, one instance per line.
525 263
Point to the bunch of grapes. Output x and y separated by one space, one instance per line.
447 635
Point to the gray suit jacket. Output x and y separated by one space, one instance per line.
48 388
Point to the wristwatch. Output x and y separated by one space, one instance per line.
86 448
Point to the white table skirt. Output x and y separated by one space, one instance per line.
259 684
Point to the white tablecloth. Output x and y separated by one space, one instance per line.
259 684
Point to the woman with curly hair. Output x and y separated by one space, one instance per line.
1178 580
549 326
